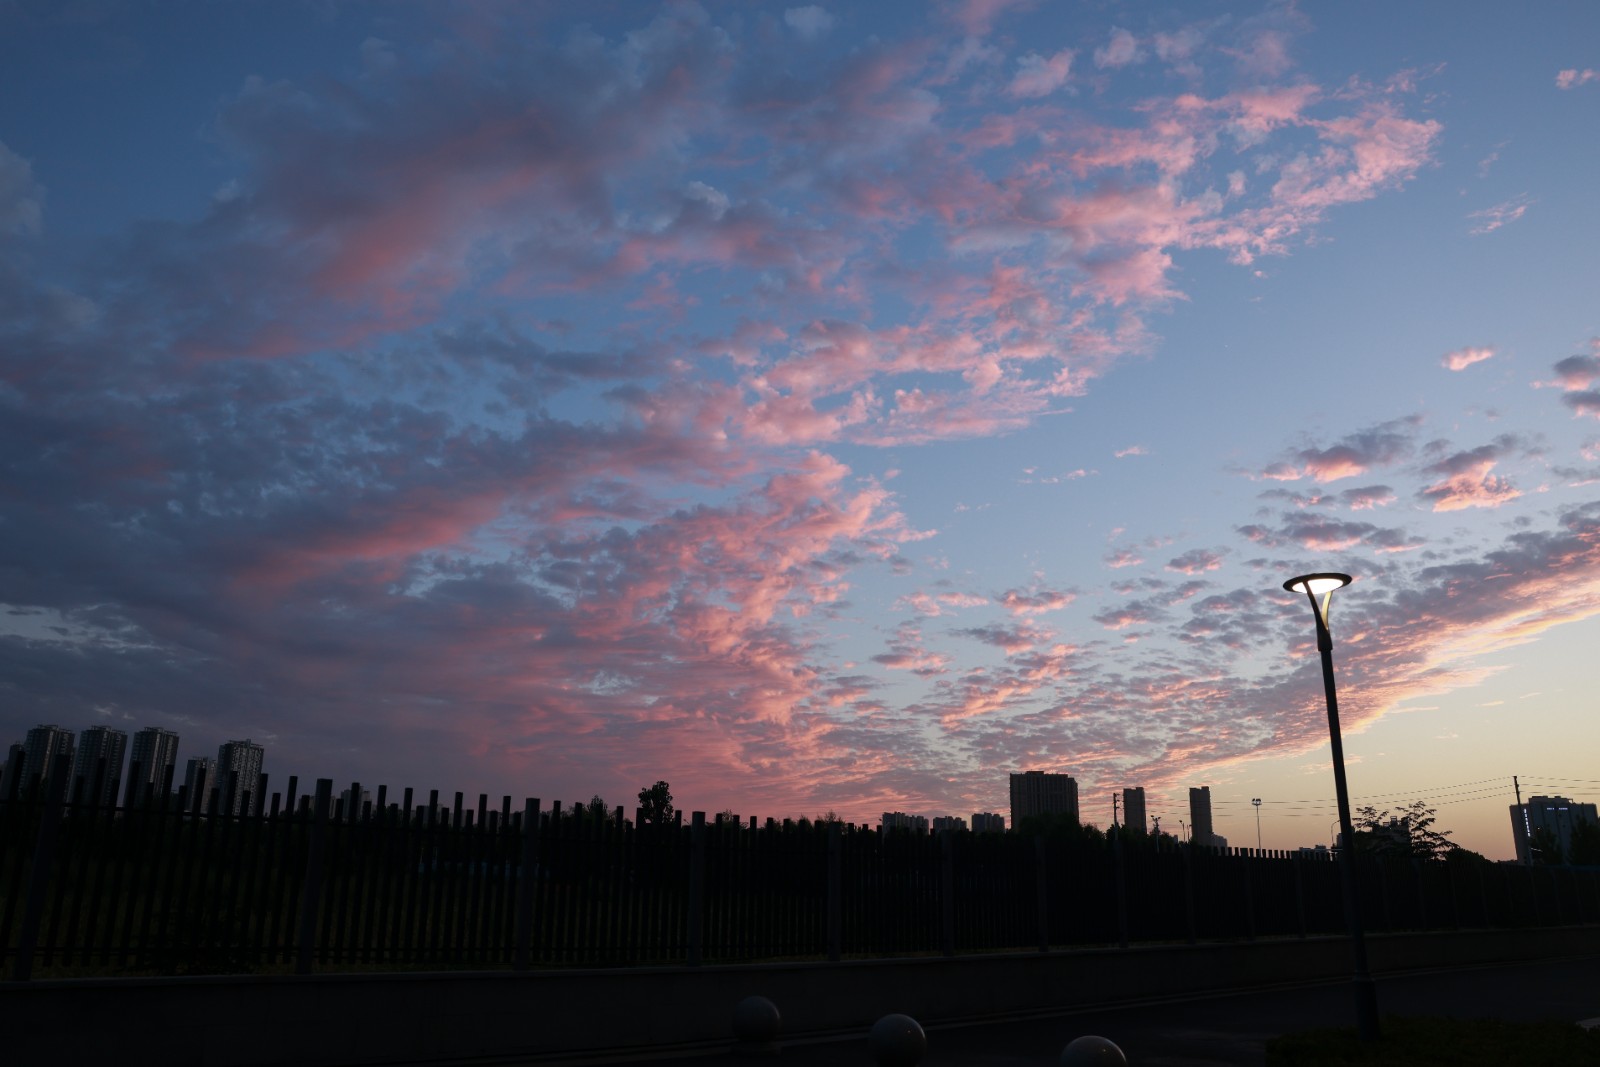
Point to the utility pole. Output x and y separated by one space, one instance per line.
1157 820
1113 808
1527 826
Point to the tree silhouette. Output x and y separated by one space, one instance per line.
1546 847
596 809
1585 843
655 804
1408 833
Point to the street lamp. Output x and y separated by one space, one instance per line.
1315 586
1257 802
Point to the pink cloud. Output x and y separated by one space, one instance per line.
1367 497
1197 561
977 17
1492 218
907 653
1011 639
940 603
1121 50
1579 372
1039 75
1132 614
1462 358
1584 403
1576 375
1123 557
1572 78
1364 153
1037 602
1357 453
1467 482
1134 450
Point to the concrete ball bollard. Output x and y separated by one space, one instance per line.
1092 1051
897 1041
756 1023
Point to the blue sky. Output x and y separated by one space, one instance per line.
814 406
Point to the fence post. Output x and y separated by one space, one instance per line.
1041 892
311 890
1299 891
947 892
1188 891
44 849
530 863
1120 862
697 888
835 892
1249 869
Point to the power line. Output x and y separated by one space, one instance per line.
1434 792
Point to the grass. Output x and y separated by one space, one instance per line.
1426 1041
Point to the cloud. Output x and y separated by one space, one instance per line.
1576 375
1367 497
1586 402
21 197
1580 371
977 17
1035 602
1132 450
1492 218
1466 481
1462 358
809 23
1323 533
906 653
1038 75
1121 50
1355 454
1572 78
937 604
1123 557
1011 639
1197 561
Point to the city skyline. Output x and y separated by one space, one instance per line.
1037 791
816 407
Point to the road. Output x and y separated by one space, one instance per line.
1230 1029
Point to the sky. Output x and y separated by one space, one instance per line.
835 406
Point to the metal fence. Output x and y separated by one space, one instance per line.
180 886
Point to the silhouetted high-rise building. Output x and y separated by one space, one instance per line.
199 779
1133 809
1200 832
39 752
154 755
1043 793
1555 814
97 766
899 820
11 777
352 811
238 768
948 822
985 822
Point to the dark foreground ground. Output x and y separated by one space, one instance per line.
1230 1029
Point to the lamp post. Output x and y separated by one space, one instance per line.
1256 801
1314 586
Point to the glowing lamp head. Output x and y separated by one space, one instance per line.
1317 584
